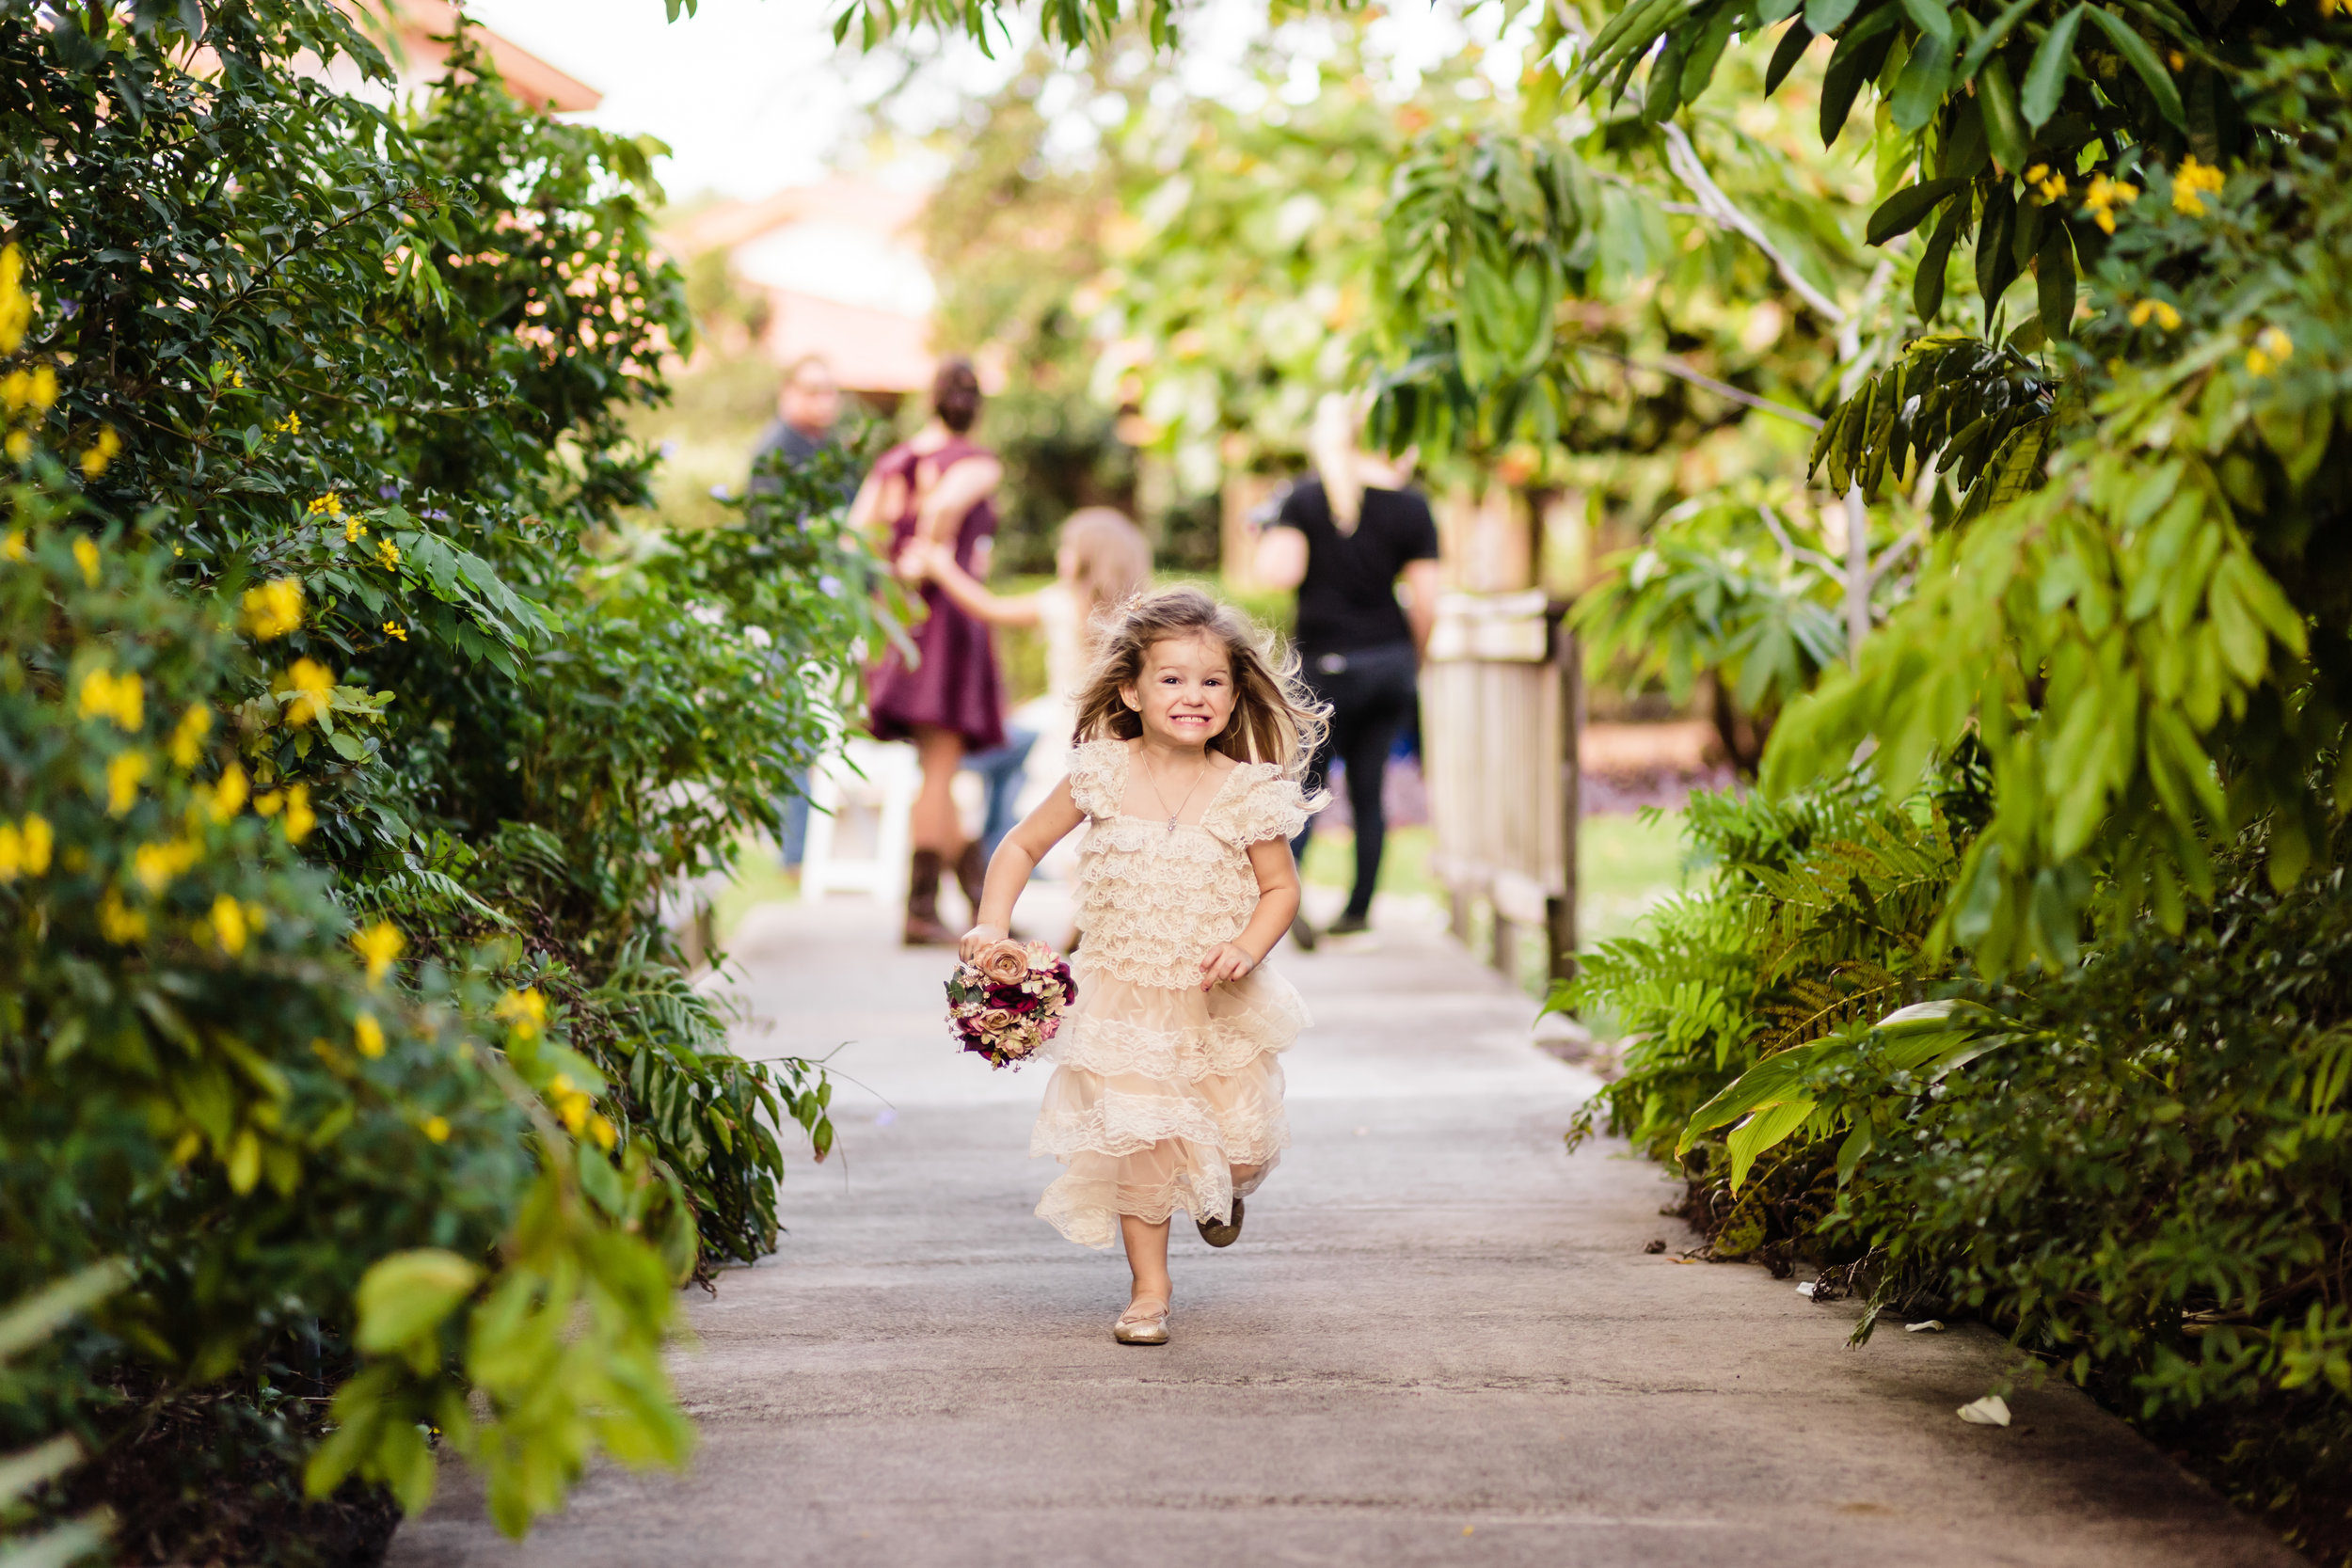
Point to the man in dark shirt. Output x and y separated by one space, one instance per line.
1360 647
808 405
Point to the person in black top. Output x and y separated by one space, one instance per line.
1344 539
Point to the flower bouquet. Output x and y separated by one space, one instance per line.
1009 1002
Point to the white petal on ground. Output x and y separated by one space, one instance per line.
1990 1411
1932 1325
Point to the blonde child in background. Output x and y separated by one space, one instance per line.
1101 560
1167 1093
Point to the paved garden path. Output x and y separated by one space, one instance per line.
1440 1342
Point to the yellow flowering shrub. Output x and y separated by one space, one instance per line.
205 1072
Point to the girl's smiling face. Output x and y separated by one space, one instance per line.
1185 693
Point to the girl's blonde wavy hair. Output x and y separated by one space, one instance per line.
1275 717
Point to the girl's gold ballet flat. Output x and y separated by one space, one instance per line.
1144 1323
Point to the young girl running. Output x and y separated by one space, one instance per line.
1167 1094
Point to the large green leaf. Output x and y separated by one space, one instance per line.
2143 58
2046 78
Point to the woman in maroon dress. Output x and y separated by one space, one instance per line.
938 490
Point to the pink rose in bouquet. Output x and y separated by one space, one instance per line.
1010 1002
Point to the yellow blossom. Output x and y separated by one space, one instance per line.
273 609
2103 196
368 1035
314 688
20 445
229 925
126 771
353 531
37 839
101 452
602 1132
269 803
300 819
379 944
85 555
117 922
571 1105
16 309
289 425
387 554
2189 180
328 505
394 630
187 736
156 864
2052 187
436 1128
12 545
11 852
223 800
525 1010
2277 345
2157 311
121 698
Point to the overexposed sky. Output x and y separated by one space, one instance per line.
749 94
752 95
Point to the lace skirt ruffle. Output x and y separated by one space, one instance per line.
1157 1094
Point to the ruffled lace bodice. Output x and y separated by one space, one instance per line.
1152 900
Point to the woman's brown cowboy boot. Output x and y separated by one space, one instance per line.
922 926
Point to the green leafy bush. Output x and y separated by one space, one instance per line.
361 378
205 1079
2138 1168
1813 914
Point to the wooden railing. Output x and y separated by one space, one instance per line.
1501 700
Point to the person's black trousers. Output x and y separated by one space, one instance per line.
1372 692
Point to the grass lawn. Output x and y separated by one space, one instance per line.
758 880
1625 864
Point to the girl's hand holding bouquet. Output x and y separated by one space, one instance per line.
1007 997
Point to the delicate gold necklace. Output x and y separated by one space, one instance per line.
1162 799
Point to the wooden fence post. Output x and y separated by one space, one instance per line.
1570 656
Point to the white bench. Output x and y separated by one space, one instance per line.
861 802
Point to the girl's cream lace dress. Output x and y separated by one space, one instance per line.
1161 1088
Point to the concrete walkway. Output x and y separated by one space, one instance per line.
1440 1341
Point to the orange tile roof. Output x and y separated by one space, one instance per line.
868 349
530 79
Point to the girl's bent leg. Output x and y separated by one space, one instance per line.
1147 1257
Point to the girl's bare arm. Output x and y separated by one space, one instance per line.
963 487
1008 868
1278 905
939 564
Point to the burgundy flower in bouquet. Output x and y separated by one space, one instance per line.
1008 1001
